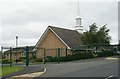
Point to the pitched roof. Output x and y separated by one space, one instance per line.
20 49
71 38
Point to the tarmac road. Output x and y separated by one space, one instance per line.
97 67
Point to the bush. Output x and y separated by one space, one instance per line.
33 58
21 58
63 59
95 55
51 59
38 60
105 53
5 61
78 56
18 60
75 56
83 55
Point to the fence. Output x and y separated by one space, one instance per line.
51 55
13 55
31 55
10 55
26 56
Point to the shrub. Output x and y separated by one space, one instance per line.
95 55
21 58
18 60
51 59
5 61
78 55
33 58
38 60
83 55
63 59
105 53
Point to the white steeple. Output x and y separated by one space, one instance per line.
78 25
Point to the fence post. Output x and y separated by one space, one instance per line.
27 55
1 56
58 55
44 56
10 56
66 53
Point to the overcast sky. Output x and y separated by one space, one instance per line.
28 19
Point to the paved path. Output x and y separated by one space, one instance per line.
30 71
97 67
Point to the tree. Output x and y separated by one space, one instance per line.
96 36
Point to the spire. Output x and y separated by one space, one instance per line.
78 8
78 25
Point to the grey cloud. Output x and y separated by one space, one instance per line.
119 20
29 20
39 13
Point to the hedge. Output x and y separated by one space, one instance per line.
105 53
38 60
18 60
5 61
51 59
80 55
74 56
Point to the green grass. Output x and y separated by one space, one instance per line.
8 70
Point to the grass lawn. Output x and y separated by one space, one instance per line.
8 70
